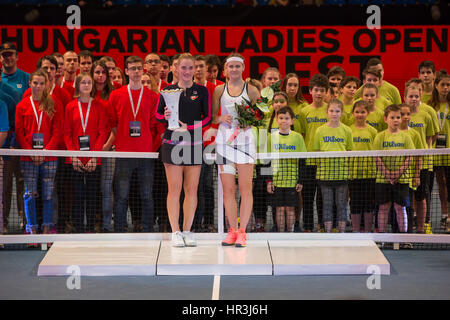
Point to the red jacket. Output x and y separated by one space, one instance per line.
121 114
61 94
96 129
26 125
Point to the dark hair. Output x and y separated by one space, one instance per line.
349 79
52 60
427 64
199 57
404 105
359 104
57 54
272 117
108 88
133 59
434 101
336 70
391 108
413 80
299 96
213 60
174 57
373 62
319 80
85 53
284 110
373 71
165 58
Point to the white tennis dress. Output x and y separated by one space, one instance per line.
242 149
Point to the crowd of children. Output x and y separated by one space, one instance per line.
75 102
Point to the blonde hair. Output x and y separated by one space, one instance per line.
186 56
270 69
46 102
153 81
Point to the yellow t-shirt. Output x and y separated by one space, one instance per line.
444 128
333 139
363 167
347 115
425 98
418 144
433 115
296 125
375 119
386 140
312 118
285 171
422 123
381 103
387 91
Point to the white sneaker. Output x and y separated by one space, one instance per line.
177 239
189 240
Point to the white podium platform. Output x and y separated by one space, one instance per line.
327 257
211 258
260 257
101 258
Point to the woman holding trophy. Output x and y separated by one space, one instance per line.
186 108
236 151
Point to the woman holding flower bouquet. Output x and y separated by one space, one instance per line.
236 151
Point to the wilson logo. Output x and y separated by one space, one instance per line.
284 146
316 119
361 140
392 144
332 139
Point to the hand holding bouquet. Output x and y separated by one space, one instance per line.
249 114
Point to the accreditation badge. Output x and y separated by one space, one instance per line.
135 129
84 143
441 141
38 141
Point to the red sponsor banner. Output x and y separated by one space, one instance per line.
302 49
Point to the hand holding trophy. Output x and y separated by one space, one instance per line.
171 113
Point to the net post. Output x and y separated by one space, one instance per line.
220 210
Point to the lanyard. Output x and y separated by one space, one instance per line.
51 91
139 101
441 124
38 119
84 122
64 80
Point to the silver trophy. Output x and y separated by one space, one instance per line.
172 99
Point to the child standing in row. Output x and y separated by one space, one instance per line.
392 177
333 173
348 87
363 170
286 183
415 167
312 117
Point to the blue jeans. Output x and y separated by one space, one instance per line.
122 177
31 172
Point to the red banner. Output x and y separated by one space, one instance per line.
305 50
